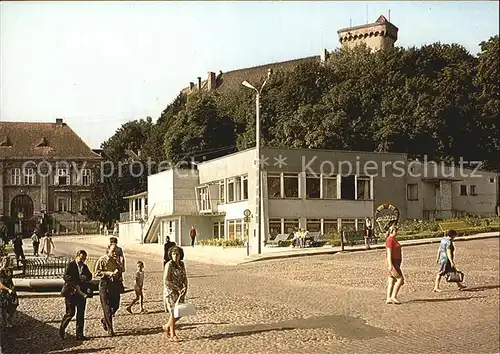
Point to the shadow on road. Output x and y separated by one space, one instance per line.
445 300
31 336
482 288
83 351
345 326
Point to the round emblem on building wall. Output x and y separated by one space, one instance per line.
385 216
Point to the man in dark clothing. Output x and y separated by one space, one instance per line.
76 278
109 270
18 247
166 248
192 234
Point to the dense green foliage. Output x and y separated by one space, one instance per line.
438 100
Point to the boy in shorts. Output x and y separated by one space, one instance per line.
138 287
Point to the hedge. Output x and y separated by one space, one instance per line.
220 242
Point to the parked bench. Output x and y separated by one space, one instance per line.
316 239
453 225
352 237
278 241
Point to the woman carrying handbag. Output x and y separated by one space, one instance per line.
175 286
446 261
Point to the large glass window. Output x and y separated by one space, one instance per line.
313 225
244 187
363 188
313 187
222 192
274 227
330 226
291 225
29 176
348 224
235 229
16 176
274 186
231 190
329 188
291 185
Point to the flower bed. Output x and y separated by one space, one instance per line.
220 242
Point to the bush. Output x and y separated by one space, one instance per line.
414 227
220 242
437 234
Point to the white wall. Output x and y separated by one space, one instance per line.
129 232
160 189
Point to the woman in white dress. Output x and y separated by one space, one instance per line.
48 245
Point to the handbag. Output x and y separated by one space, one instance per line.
183 309
454 276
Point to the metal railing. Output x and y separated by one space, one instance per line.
44 268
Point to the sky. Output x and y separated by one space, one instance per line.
98 65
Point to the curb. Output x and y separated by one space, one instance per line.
374 247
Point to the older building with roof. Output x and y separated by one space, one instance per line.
45 174
378 35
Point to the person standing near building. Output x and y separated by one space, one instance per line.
192 234
47 245
138 288
119 252
76 278
368 233
446 259
108 269
36 243
18 247
166 250
394 260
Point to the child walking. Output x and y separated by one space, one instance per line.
139 283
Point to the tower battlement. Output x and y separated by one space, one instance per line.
381 34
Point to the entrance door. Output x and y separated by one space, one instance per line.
23 204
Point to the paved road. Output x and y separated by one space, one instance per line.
317 304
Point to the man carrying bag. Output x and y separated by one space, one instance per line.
75 290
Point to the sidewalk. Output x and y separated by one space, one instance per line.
235 256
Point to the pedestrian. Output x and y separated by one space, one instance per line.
115 229
192 234
166 250
368 233
48 245
74 291
8 297
175 286
18 248
108 270
446 259
36 243
394 260
138 288
119 251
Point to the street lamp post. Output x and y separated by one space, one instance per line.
258 213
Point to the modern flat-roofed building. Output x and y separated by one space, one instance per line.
317 190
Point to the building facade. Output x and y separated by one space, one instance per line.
317 190
46 171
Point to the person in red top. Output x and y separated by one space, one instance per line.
394 259
192 234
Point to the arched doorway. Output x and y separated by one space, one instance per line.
23 204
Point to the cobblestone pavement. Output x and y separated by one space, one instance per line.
317 304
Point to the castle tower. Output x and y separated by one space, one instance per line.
379 35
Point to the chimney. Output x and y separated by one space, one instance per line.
199 83
211 83
59 122
191 85
324 55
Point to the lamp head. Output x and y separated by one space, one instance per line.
247 84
